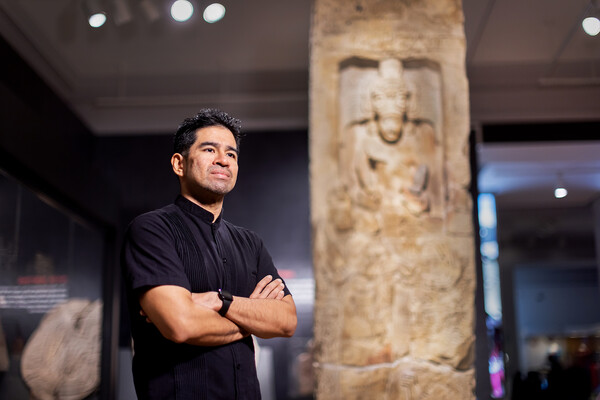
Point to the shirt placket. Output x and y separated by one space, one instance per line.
222 257
225 285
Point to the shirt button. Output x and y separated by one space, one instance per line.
238 366
224 260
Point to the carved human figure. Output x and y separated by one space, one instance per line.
388 97
394 159
391 168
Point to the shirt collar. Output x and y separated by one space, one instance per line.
194 209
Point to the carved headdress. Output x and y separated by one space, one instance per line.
388 96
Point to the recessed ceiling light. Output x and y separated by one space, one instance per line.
97 20
591 26
182 10
214 13
560 192
94 12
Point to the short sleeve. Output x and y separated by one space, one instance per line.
149 256
266 266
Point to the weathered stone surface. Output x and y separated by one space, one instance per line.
403 380
391 211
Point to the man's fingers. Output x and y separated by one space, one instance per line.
256 294
268 288
143 314
272 290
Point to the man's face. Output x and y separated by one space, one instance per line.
389 105
211 166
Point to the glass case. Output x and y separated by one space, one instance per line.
51 274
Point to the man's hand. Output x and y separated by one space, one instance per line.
260 315
208 299
143 314
268 288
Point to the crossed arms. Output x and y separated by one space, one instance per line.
193 318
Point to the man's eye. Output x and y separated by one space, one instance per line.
208 149
232 155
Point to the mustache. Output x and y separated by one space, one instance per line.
218 169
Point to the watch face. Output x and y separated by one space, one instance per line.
225 295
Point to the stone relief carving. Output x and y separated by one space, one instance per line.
391 155
386 239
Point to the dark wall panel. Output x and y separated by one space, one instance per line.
45 145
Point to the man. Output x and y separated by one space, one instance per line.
198 286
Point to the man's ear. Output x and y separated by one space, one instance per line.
178 164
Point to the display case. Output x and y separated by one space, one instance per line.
52 269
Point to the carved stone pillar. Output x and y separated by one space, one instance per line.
391 210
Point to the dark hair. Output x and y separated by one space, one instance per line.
186 133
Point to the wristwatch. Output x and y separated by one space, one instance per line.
226 298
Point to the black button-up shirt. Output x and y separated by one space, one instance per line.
158 251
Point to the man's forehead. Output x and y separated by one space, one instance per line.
215 131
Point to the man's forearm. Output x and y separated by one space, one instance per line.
182 320
266 313
265 318
222 331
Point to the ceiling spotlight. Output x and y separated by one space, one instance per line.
214 12
560 191
97 20
94 12
182 10
591 26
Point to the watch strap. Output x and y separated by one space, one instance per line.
226 298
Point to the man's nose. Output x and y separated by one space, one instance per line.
222 159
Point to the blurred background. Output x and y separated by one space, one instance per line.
87 115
